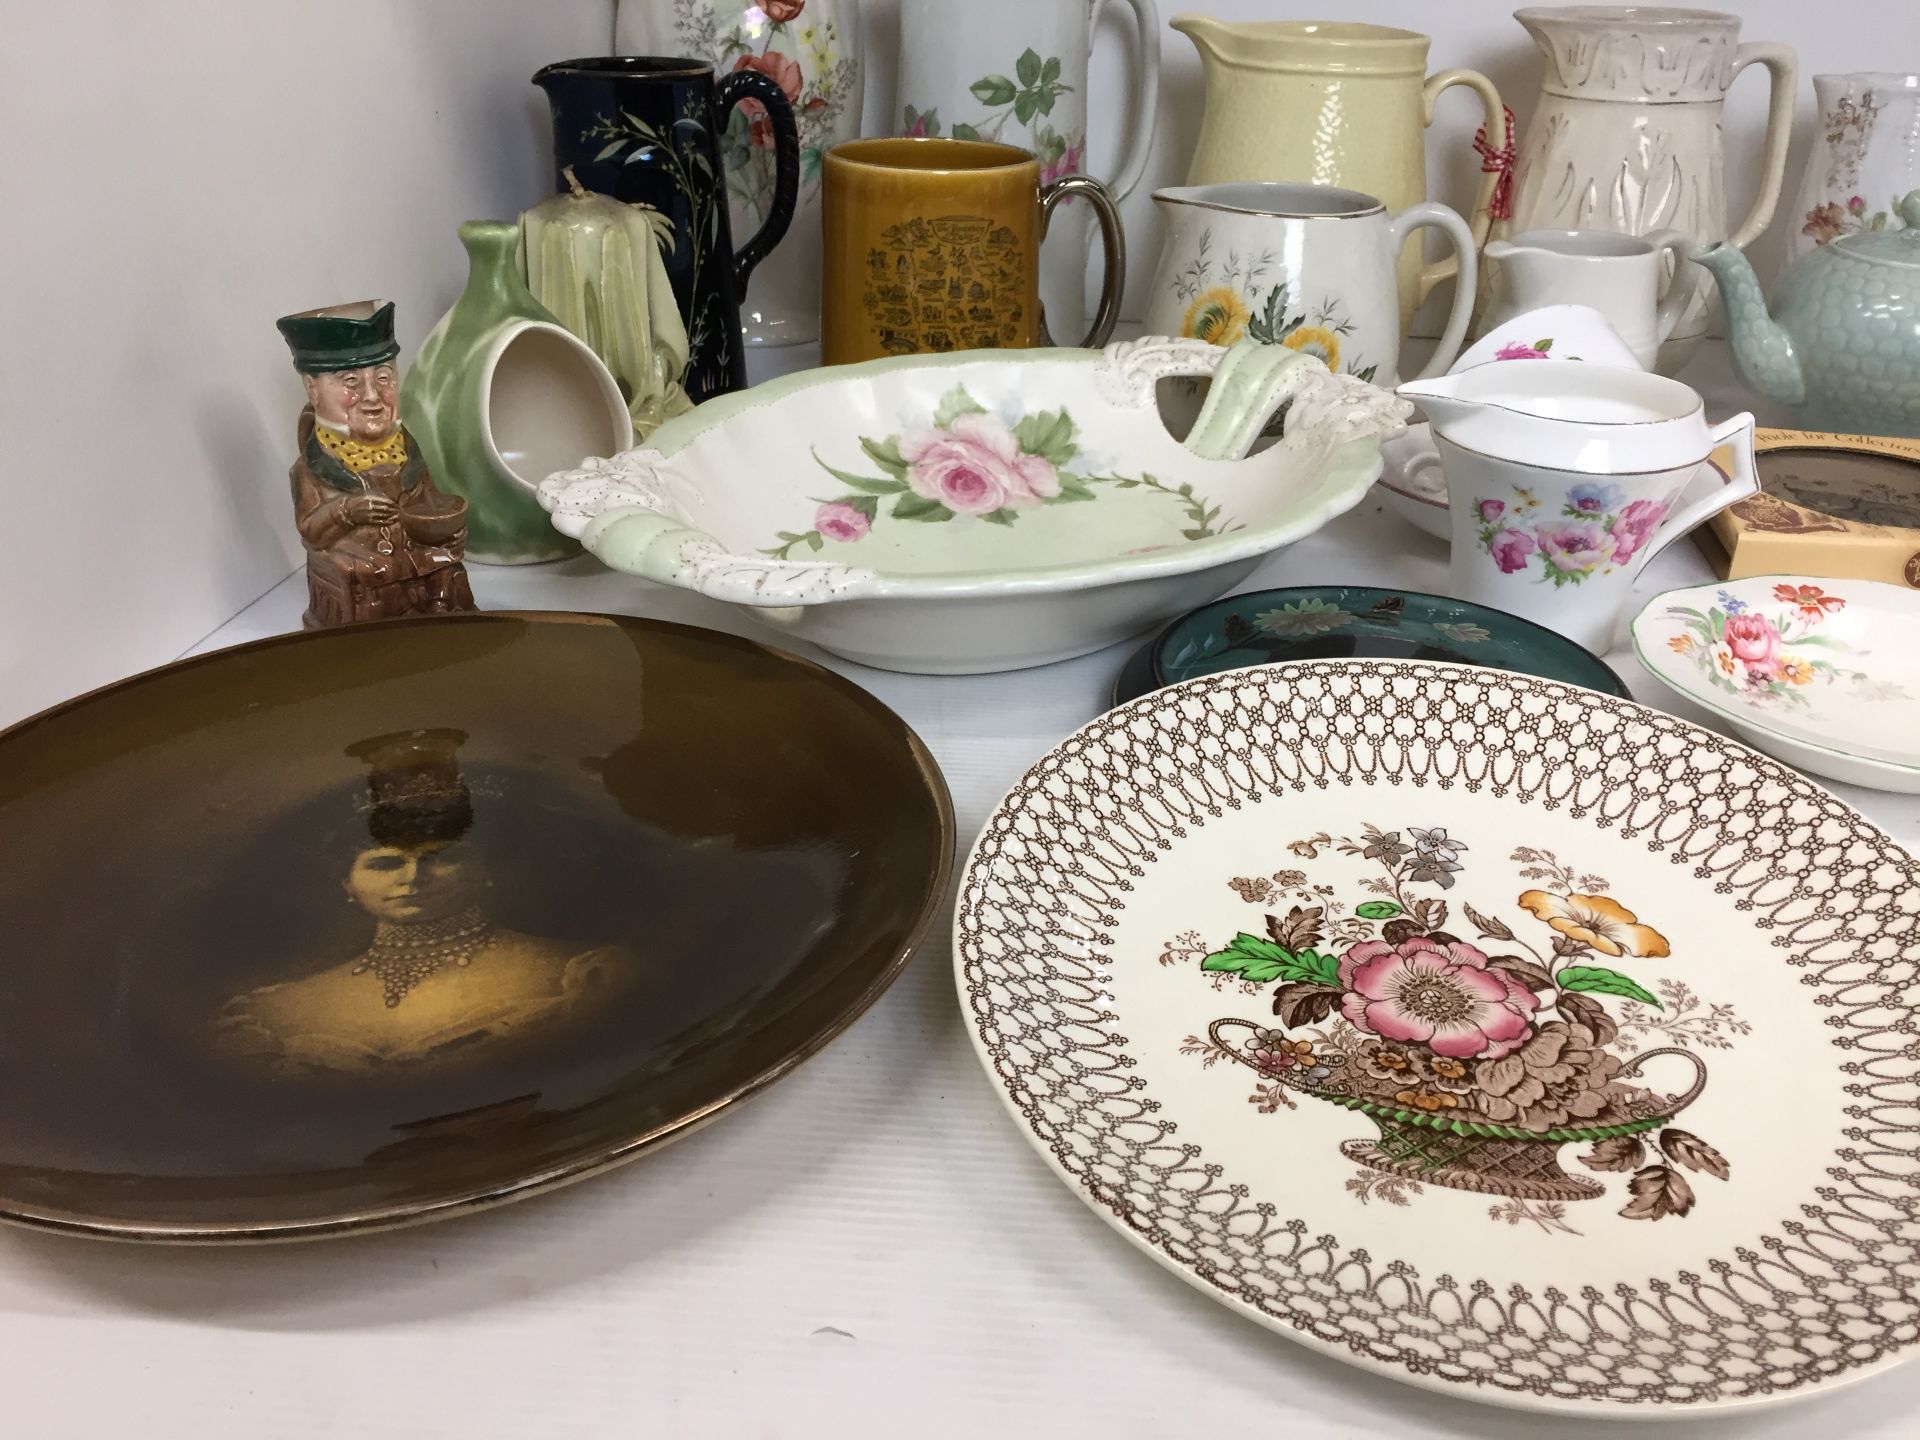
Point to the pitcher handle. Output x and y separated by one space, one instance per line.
1744 481
1144 89
733 88
1673 304
1113 250
1430 214
1783 68
1432 275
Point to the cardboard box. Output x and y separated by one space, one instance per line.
1840 507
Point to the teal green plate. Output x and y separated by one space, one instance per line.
1342 622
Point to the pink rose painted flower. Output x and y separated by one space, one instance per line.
784 71
1068 164
1753 640
781 11
975 466
1634 527
1445 996
1510 550
1578 546
840 522
918 129
1492 510
1520 350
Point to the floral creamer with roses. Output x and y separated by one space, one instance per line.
1597 529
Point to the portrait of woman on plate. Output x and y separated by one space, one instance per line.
439 978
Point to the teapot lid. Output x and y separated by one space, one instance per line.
1900 247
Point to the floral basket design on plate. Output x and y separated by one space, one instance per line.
1476 1061
1776 657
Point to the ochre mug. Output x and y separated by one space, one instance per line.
934 245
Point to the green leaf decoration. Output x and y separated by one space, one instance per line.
1050 434
1376 909
1601 981
1251 958
918 507
1025 106
867 505
1027 67
813 539
809 163
1002 516
1259 960
641 153
1546 344
886 454
993 90
612 147
963 131
908 117
955 403
1044 98
866 484
1072 487
1050 71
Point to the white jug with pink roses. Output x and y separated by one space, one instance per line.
1565 478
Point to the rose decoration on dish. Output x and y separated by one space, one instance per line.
1593 533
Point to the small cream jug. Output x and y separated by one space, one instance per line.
1309 267
1326 102
1565 478
1618 275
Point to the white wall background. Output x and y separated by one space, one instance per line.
177 173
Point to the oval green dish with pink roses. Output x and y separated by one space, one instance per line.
1493 1034
983 510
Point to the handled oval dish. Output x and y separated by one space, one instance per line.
985 510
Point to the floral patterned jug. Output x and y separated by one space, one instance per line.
1016 71
1865 156
811 49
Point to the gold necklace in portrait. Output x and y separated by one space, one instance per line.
404 955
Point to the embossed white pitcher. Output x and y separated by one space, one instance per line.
1626 136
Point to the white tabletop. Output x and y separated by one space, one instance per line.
871 1247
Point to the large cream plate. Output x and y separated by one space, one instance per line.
1500 1036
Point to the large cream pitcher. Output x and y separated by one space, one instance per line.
1331 103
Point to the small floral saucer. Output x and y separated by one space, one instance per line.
1819 673
1345 622
1495 1035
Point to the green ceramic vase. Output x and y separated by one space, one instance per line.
501 396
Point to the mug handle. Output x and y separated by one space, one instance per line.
1145 90
1783 68
1679 291
1429 214
741 85
1497 134
1744 481
1113 250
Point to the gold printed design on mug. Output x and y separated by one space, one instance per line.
952 283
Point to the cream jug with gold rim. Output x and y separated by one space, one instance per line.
1325 102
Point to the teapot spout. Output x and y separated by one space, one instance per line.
1762 351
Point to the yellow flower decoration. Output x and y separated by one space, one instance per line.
1606 925
1217 316
1316 340
1795 670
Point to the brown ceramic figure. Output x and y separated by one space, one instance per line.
381 541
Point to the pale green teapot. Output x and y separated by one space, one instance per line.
1843 342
